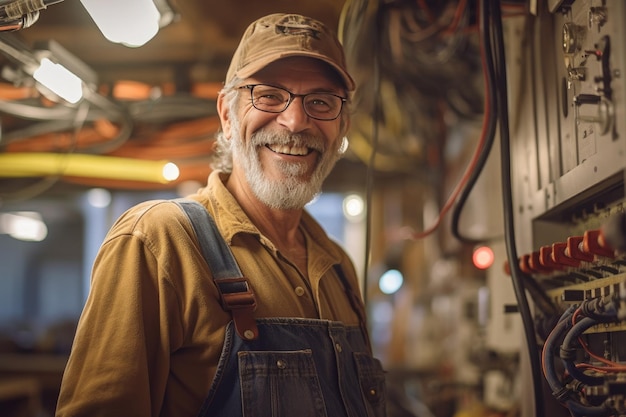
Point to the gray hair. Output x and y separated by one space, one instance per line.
222 156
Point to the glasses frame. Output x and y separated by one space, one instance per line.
292 96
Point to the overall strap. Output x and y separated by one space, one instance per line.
357 305
236 294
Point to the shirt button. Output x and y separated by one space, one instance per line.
338 347
299 291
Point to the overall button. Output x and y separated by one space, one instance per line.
373 395
281 364
299 291
338 347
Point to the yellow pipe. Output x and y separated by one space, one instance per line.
36 164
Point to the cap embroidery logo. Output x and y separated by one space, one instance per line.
295 25
293 30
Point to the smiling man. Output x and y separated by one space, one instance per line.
165 334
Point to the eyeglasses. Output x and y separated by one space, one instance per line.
270 99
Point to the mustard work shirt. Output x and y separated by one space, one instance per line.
152 329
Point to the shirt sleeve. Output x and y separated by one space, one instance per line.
119 360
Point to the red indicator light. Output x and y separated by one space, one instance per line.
483 257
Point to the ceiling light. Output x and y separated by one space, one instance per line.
59 80
27 226
131 23
353 207
391 281
99 197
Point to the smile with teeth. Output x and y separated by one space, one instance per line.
290 150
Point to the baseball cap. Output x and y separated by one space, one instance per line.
281 35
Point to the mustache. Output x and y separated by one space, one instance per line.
264 137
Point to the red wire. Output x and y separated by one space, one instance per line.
458 13
472 165
422 4
612 366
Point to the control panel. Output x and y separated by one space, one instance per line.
568 130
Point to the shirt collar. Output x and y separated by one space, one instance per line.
231 219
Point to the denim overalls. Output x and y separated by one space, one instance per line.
283 367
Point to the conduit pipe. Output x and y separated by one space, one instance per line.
34 164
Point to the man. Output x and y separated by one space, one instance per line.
157 338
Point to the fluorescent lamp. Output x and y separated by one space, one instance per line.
59 80
50 48
129 22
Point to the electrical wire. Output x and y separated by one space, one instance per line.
483 151
596 309
569 329
492 10
369 185
483 147
471 167
352 20
421 60
488 132
46 183
550 345
563 394
10 9
458 14
30 111
567 350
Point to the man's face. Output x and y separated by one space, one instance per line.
285 157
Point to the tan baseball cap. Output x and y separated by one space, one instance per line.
280 35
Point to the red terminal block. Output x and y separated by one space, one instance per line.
593 242
524 265
506 267
574 249
535 264
546 259
560 256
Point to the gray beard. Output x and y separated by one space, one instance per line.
293 191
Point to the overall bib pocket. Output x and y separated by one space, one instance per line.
280 384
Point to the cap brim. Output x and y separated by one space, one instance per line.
260 63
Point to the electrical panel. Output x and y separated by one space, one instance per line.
567 111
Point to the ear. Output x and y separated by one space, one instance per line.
345 125
223 113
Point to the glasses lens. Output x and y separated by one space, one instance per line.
322 106
270 99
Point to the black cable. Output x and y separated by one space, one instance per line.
507 199
375 131
490 131
542 301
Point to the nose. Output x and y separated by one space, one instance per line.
294 117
